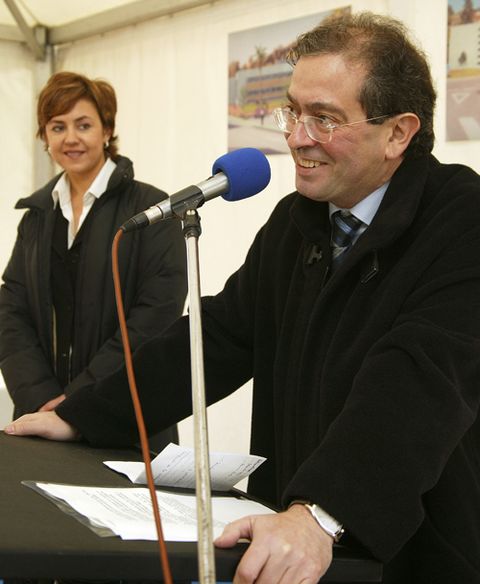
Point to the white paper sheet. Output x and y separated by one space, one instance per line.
175 467
128 512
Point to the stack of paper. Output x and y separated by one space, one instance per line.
128 512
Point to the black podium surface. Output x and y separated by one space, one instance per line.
37 540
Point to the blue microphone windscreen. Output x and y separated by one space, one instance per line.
247 171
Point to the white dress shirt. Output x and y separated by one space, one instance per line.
61 194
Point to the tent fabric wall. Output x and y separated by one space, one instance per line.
16 137
170 75
16 148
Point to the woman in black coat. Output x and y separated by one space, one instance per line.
58 321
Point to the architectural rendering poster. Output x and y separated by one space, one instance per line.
258 79
463 78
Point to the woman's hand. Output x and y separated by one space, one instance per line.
44 424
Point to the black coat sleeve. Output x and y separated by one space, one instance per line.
25 366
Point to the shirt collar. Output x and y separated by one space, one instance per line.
365 210
61 190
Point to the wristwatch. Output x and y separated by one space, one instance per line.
326 521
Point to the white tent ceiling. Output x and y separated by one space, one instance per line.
53 22
57 12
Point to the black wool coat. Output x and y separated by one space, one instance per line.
366 381
153 275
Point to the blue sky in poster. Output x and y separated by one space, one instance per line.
242 44
459 4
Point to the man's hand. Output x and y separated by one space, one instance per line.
52 404
44 424
288 547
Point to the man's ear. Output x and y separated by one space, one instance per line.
403 129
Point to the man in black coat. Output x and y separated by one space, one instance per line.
357 314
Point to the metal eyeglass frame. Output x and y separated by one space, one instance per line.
281 115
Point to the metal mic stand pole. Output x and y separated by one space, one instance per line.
206 556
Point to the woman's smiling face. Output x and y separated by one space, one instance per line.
76 140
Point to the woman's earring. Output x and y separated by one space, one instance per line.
106 145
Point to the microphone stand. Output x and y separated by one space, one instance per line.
206 556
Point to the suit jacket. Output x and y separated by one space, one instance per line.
366 381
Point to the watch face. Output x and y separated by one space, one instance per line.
325 519
326 522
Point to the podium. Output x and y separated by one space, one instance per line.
37 540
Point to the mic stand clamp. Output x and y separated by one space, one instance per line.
206 557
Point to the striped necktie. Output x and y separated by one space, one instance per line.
345 227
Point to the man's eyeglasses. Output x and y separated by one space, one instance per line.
318 129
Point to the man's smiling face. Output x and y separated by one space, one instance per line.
355 162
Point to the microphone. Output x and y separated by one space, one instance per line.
235 176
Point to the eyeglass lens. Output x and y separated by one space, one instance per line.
314 127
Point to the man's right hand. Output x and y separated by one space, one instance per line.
44 424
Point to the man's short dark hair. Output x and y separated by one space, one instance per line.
398 78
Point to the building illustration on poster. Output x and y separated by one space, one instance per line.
258 79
